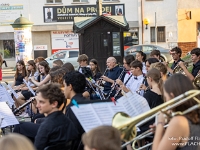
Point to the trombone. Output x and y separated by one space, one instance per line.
127 125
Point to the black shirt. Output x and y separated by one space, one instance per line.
97 76
196 68
113 74
153 98
19 79
175 64
69 113
55 128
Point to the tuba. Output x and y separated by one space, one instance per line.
196 81
127 125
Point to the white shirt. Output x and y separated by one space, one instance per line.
144 70
128 84
36 74
135 83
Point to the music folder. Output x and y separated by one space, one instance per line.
95 113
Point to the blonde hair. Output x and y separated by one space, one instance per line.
15 141
160 66
102 138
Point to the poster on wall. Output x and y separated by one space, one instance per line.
64 40
23 44
9 13
67 13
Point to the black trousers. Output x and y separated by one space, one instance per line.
27 129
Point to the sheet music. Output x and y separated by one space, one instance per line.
87 116
101 113
104 112
5 96
138 102
8 117
14 93
30 89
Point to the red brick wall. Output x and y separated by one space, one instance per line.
187 46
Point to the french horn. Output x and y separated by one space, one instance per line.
178 69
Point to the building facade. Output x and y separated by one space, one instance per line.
53 23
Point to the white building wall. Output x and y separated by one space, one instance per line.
166 15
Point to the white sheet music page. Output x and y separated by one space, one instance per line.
131 111
138 102
86 116
14 93
5 96
104 112
8 116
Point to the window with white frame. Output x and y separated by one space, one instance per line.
80 0
160 34
53 1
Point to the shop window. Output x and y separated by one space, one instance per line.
80 0
8 49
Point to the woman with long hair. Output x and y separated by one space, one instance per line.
141 56
20 74
43 69
94 66
183 132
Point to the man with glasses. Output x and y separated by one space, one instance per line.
176 55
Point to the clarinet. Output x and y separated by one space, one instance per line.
115 84
118 91
22 106
101 80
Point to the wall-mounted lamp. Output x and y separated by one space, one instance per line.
146 22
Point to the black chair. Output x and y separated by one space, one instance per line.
60 146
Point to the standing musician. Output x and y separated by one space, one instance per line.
183 131
176 55
127 79
112 74
195 56
136 80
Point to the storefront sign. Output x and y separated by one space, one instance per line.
40 47
63 40
9 13
67 13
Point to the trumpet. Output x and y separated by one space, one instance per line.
196 81
127 125
178 69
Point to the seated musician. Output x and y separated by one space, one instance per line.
162 68
102 138
84 68
176 53
56 127
20 74
156 54
137 79
195 56
113 73
94 66
25 94
127 79
183 132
